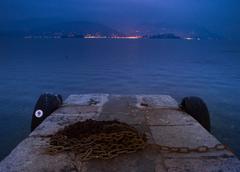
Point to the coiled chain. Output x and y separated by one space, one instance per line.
107 139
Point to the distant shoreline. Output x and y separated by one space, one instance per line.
96 36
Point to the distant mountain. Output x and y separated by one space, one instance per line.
164 36
178 28
46 27
77 27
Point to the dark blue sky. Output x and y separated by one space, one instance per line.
220 16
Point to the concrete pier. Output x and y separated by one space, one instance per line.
156 115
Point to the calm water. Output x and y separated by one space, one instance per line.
208 69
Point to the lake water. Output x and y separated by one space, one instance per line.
209 69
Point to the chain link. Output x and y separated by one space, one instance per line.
100 145
107 145
199 149
146 108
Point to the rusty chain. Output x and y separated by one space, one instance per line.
119 138
99 145
199 149
146 108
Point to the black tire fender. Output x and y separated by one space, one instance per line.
46 104
197 108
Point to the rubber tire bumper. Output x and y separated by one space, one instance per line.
197 108
46 104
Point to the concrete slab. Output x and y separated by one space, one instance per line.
77 110
83 99
214 164
156 101
29 156
183 136
122 109
168 117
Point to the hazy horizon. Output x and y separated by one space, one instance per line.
220 17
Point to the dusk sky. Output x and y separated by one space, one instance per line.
220 16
